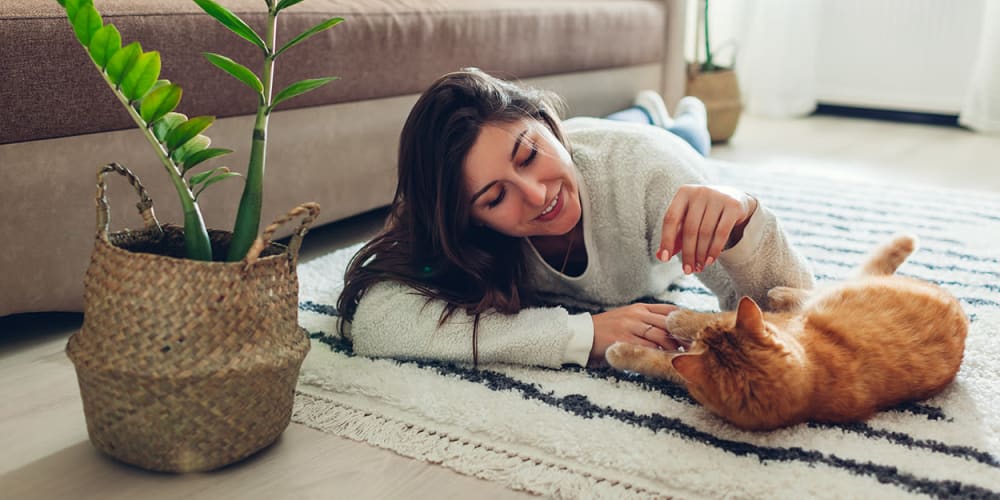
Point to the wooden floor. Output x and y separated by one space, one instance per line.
45 454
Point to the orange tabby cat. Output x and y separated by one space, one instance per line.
832 355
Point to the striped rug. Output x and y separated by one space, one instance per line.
577 433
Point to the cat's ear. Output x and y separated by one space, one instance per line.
749 318
691 367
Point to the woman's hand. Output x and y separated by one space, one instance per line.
639 324
701 222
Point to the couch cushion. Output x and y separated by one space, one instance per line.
384 48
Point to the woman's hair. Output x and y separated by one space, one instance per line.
428 241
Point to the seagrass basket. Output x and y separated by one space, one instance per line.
720 91
186 365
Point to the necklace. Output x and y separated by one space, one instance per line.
569 250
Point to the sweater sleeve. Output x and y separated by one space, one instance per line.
763 259
392 320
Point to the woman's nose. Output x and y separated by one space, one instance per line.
534 191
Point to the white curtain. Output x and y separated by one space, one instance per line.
776 66
981 106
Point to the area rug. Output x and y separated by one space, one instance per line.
578 433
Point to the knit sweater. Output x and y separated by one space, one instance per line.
628 174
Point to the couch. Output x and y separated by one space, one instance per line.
336 145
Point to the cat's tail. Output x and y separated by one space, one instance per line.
887 257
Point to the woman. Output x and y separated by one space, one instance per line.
500 219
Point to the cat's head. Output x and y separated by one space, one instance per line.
742 368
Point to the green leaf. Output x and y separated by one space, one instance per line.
160 83
212 180
86 22
202 177
237 70
141 75
329 23
218 178
164 125
73 6
301 87
205 154
105 42
159 102
284 4
196 144
229 20
121 61
62 3
184 132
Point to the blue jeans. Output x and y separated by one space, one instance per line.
685 126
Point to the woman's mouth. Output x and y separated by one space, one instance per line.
552 210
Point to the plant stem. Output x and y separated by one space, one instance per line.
248 217
708 65
196 242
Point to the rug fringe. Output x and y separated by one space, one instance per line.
515 471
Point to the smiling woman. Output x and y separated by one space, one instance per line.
528 188
501 219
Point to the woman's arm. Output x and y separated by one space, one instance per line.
393 320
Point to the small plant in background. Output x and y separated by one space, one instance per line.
709 64
714 84
134 77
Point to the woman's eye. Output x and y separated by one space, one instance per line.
499 198
531 156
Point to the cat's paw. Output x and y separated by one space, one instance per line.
786 299
646 361
620 355
684 324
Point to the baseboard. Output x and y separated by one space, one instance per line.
893 115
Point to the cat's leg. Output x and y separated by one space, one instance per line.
886 258
786 299
647 361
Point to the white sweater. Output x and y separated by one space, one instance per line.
628 175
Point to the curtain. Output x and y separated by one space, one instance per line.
981 106
779 44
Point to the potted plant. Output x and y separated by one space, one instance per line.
190 347
715 85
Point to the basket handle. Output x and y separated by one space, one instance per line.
311 211
145 204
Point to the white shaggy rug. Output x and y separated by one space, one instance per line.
576 433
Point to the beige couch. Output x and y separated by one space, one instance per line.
336 145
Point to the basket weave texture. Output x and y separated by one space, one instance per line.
186 365
720 91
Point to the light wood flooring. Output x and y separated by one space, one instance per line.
45 454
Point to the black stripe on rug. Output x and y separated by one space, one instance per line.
850 236
978 209
319 308
873 213
679 393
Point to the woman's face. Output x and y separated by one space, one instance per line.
520 180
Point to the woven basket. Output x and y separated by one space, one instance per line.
186 365
720 91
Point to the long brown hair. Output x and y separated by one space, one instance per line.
428 242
